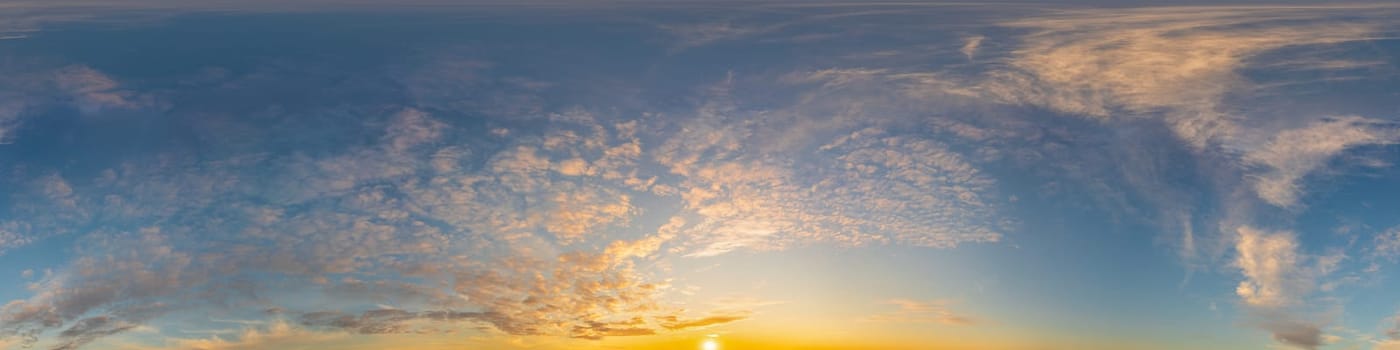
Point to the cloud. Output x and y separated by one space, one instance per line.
700 34
88 329
1387 245
912 311
93 91
1200 72
410 128
316 217
527 238
384 321
102 294
1295 153
1278 279
862 187
277 334
1179 62
673 322
452 81
553 230
1293 332
1272 266
971 44
10 239
17 97
32 88
21 20
594 330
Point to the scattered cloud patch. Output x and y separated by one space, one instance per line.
970 46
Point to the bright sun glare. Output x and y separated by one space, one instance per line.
710 345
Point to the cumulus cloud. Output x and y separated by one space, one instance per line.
1273 268
1278 278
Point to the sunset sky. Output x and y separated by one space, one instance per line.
672 175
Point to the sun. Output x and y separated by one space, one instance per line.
709 344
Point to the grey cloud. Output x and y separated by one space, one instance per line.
1292 332
123 285
89 329
383 321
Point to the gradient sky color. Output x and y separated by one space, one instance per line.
337 174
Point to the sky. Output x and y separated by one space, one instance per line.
816 175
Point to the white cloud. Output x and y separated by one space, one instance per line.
1295 153
1273 268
